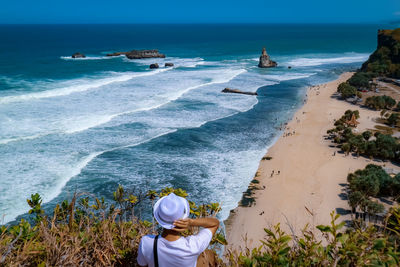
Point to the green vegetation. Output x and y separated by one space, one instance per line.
393 119
380 102
86 232
361 79
352 247
383 146
95 233
385 61
346 90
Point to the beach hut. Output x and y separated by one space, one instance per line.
353 121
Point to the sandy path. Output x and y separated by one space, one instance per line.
311 173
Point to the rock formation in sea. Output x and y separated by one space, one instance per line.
138 54
265 61
168 64
116 54
236 91
154 66
78 55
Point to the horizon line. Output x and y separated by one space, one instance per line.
206 23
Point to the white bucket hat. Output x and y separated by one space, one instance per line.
169 209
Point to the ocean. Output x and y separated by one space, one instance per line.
88 125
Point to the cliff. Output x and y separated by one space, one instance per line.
385 61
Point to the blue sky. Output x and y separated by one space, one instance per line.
203 11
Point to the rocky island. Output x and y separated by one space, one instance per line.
139 54
78 55
265 61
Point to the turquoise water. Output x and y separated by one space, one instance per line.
91 124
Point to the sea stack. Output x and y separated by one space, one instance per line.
265 61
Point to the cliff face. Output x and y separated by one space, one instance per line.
386 58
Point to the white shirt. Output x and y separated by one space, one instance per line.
181 252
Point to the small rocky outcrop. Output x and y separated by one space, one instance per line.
265 61
116 54
154 66
236 91
78 55
138 54
168 64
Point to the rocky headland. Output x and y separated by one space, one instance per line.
385 61
265 61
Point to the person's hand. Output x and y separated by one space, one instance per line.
181 225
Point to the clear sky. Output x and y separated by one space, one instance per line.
199 11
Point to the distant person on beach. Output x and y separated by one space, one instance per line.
170 248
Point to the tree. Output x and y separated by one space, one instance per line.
346 148
366 135
361 79
346 90
387 146
393 119
380 102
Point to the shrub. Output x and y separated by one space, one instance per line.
393 119
361 79
86 232
346 90
380 102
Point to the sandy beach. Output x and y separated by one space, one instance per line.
303 182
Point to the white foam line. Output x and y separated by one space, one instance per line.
110 117
169 100
75 89
6 141
309 61
78 169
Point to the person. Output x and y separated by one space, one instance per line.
172 249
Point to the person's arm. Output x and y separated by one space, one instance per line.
210 223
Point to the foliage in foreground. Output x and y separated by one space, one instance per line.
338 247
84 233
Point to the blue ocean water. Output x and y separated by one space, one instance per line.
91 124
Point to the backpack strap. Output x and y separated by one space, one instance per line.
155 254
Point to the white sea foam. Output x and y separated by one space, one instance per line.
288 76
90 122
178 62
315 61
17 139
79 85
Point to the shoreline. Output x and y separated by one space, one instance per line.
303 182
